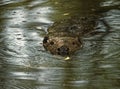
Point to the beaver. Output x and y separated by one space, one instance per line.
65 37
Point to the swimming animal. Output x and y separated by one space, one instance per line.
65 37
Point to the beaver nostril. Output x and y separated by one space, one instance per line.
63 50
58 49
67 49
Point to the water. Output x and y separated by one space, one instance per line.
24 64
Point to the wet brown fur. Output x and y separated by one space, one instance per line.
68 33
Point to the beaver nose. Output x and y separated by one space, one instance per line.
63 50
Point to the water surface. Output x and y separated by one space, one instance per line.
25 64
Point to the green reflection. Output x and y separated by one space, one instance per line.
93 67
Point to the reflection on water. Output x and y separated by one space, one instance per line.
24 64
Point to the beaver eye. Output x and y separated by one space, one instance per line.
45 39
52 43
73 43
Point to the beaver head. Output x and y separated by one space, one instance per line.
63 46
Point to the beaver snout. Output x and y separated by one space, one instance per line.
63 51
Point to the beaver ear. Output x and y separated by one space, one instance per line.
45 39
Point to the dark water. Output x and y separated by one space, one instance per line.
24 64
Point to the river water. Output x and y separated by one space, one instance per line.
25 64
